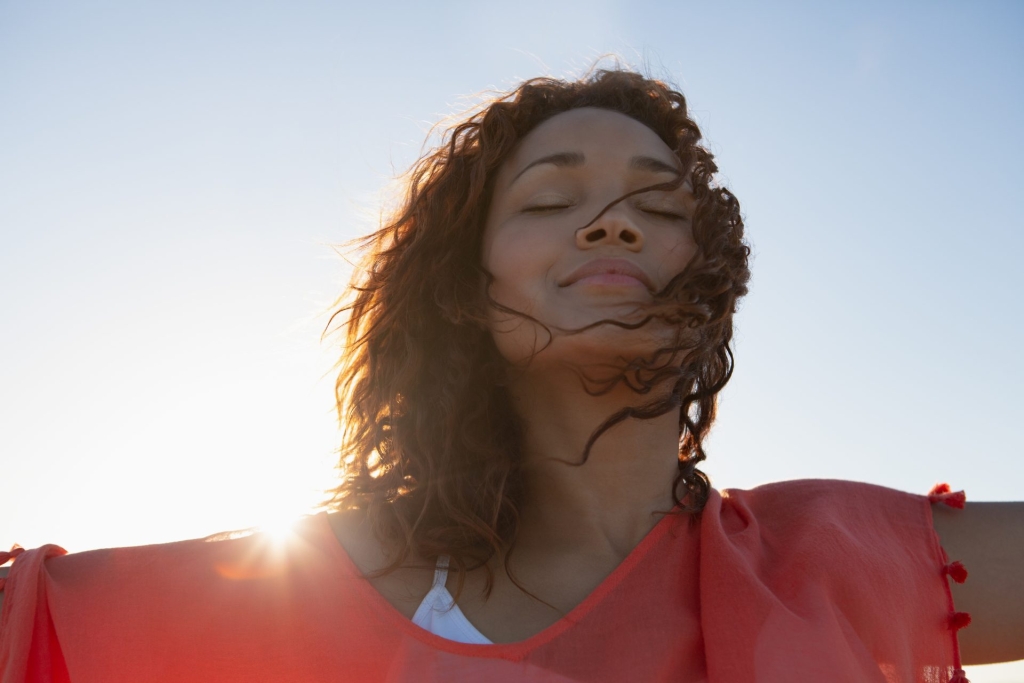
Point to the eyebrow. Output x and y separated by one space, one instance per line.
565 159
642 163
576 159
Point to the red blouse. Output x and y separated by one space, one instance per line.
809 580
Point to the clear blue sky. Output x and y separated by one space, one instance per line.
173 175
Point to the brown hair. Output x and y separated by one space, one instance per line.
431 444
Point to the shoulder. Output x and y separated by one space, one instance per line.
811 501
354 532
235 568
137 573
826 565
821 490
846 526
404 587
836 532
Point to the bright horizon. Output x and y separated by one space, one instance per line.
173 179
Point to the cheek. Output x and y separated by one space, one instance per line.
676 252
519 263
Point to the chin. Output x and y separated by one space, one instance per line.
610 345
605 349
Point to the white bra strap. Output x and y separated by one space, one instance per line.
441 571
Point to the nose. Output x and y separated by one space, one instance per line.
612 228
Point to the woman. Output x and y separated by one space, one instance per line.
534 350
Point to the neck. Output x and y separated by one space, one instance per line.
605 506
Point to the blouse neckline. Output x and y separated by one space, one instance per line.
395 619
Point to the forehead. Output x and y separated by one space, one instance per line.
591 131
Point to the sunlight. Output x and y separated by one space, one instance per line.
279 531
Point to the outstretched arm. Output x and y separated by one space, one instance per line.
988 538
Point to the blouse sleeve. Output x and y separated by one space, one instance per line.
828 580
29 651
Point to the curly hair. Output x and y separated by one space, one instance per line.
431 446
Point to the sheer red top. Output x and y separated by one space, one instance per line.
809 580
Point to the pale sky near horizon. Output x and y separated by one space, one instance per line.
173 177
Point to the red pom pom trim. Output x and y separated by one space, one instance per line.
941 493
955 571
958 620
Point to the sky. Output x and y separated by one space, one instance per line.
177 179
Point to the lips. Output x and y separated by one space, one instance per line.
611 267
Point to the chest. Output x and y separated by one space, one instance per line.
541 592
516 607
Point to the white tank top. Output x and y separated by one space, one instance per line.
439 614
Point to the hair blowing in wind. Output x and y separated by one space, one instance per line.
431 446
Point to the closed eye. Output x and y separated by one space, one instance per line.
665 214
543 208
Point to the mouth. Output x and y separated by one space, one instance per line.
611 272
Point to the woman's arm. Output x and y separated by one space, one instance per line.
988 538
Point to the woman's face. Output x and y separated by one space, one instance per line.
547 265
